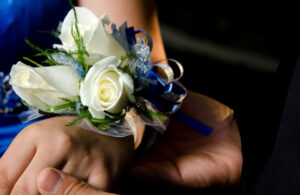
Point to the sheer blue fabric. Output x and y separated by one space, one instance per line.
20 19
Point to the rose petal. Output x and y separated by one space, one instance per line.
119 104
84 16
96 113
102 42
30 99
86 19
43 87
24 76
87 90
108 61
62 78
129 86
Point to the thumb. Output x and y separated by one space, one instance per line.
52 181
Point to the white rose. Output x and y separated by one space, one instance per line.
106 88
42 87
97 40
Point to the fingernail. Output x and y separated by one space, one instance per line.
50 180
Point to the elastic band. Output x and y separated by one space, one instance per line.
189 121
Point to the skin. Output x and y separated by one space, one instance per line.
182 157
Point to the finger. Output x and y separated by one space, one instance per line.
26 183
88 169
99 178
79 165
15 160
52 181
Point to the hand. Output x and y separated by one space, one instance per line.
95 158
186 158
52 181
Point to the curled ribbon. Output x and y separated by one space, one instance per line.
165 96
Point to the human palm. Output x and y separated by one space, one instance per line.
189 159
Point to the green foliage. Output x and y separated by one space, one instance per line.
67 100
81 49
129 55
69 106
42 53
125 60
158 115
102 124
26 104
32 61
126 69
55 33
141 108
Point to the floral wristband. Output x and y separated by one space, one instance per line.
106 81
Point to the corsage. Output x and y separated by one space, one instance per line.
105 80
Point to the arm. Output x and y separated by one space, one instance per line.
141 14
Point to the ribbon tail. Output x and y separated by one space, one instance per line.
189 121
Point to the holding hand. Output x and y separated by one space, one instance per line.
186 158
95 158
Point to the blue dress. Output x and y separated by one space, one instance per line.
31 19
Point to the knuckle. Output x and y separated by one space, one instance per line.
33 129
64 143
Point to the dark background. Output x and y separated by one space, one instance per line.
231 51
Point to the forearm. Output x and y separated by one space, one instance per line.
141 14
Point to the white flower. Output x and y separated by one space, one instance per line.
98 41
43 87
106 88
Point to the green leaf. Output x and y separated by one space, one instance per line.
63 106
141 108
44 53
102 126
26 104
107 119
73 122
81 49
32 61
158 115
55 33
66 100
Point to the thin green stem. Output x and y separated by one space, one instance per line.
32 61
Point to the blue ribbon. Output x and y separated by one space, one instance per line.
189 121
130 33
149 39
162 95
